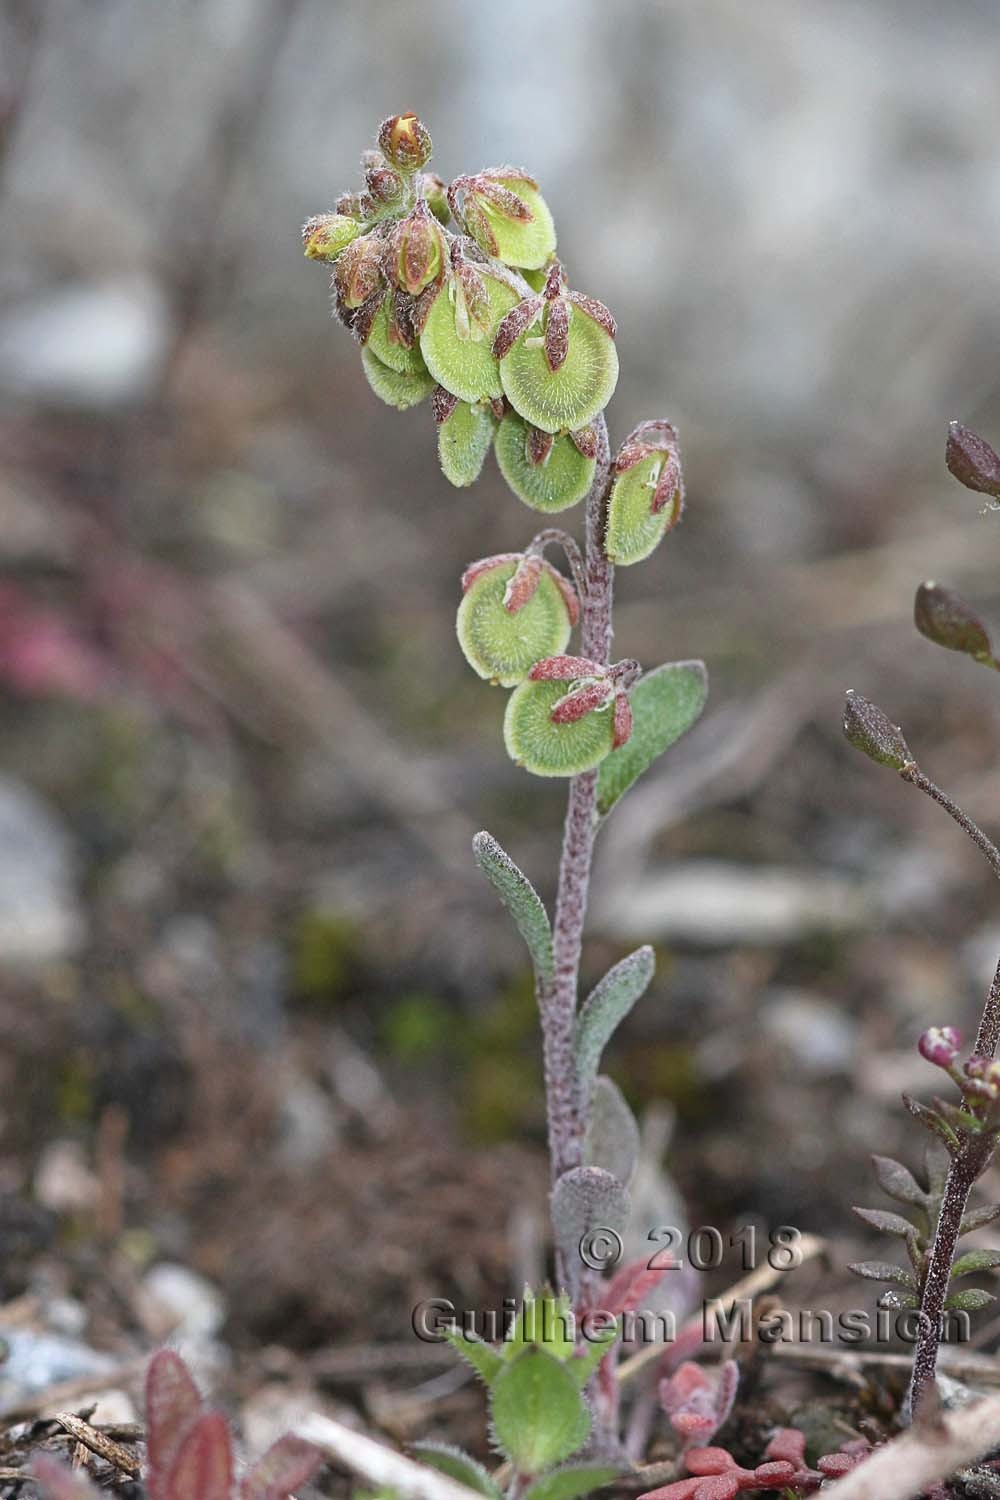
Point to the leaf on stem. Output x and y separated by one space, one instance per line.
539 1415
882 1270
585 1199
611 1140
608 1004
457 1465
483 1358
974 1261
570 1481
522 901
665 703
898 1182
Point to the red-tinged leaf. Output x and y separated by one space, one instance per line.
515 323
287 1463
557 334
523 584
681 1489
595 310
443 403
629 1286
59 1481
586 441
788 1445
623 721
485 565
203 1467
564 669
833 1465
568 592
711 1461
538 445
774 1474
583 700
719 1487
669 491
173 1403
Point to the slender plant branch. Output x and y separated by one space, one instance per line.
913 774
558 1007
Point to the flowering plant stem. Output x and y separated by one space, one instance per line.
558 1008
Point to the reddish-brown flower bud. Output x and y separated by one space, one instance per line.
359 270
972 461
623 720
417 251
406 142
384 184
582 700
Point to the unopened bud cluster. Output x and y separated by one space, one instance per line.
976 1077
455 295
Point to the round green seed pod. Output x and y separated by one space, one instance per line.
633 530
571 396
522 242
563 478
465 365
396 356
464 440
503 647
394 387
548 749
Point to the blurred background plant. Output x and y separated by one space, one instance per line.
223 885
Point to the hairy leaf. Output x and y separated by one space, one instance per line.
885 1222
203 1466
173 1401
570 1481
898 1181
978 1218
665 704
974 1261
974 1299
545 1320
457 1465
589 1355
539 1416
882 1270
483 1358
611 1140
289 1462
521 900
583 1200
608 1003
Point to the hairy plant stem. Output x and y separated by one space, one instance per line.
966 1167
971 1159
558 1004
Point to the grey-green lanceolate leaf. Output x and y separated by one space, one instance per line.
974 1261
483 1358
972 1300
978 1218
665 704
607 1004
571 1481
886 1222
882 1270
457 1465
522 901
539 1415
611 1140
584 1199
898 1181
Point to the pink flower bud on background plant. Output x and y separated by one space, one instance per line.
939 1045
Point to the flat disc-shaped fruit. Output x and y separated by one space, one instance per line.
503 647
523 242
633 530
548 749
465 365
571 396
560 481
394 387
396 356
463 442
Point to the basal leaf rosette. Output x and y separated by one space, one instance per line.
516 609
456 340
503 211
647 495
465 432
569 715
548 473
558 361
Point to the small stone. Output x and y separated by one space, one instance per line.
178 1302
